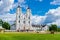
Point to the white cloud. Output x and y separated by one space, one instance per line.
12 17
6 6
55 2
1 3
38 19
55 12
8 17
57 22
53 16
12 1
23 3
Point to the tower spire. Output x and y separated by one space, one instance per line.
28 4
18 4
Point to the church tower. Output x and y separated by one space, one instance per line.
23 22
28 19
18 18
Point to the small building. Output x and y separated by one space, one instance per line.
34 27
40 27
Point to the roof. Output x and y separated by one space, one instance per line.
18 6
28 8
38 25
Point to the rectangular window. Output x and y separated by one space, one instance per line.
29 22
19 21
24 22
19 16
29 17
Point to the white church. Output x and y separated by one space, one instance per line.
24 21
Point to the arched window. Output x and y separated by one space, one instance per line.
19 21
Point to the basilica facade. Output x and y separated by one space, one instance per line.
23 21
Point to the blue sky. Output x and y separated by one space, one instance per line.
38 7
43 11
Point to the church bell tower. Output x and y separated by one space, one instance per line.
18 17
28 19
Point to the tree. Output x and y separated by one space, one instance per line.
53 27
6 25
1 22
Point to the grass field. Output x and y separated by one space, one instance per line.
28 36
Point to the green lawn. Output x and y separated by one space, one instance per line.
28 36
